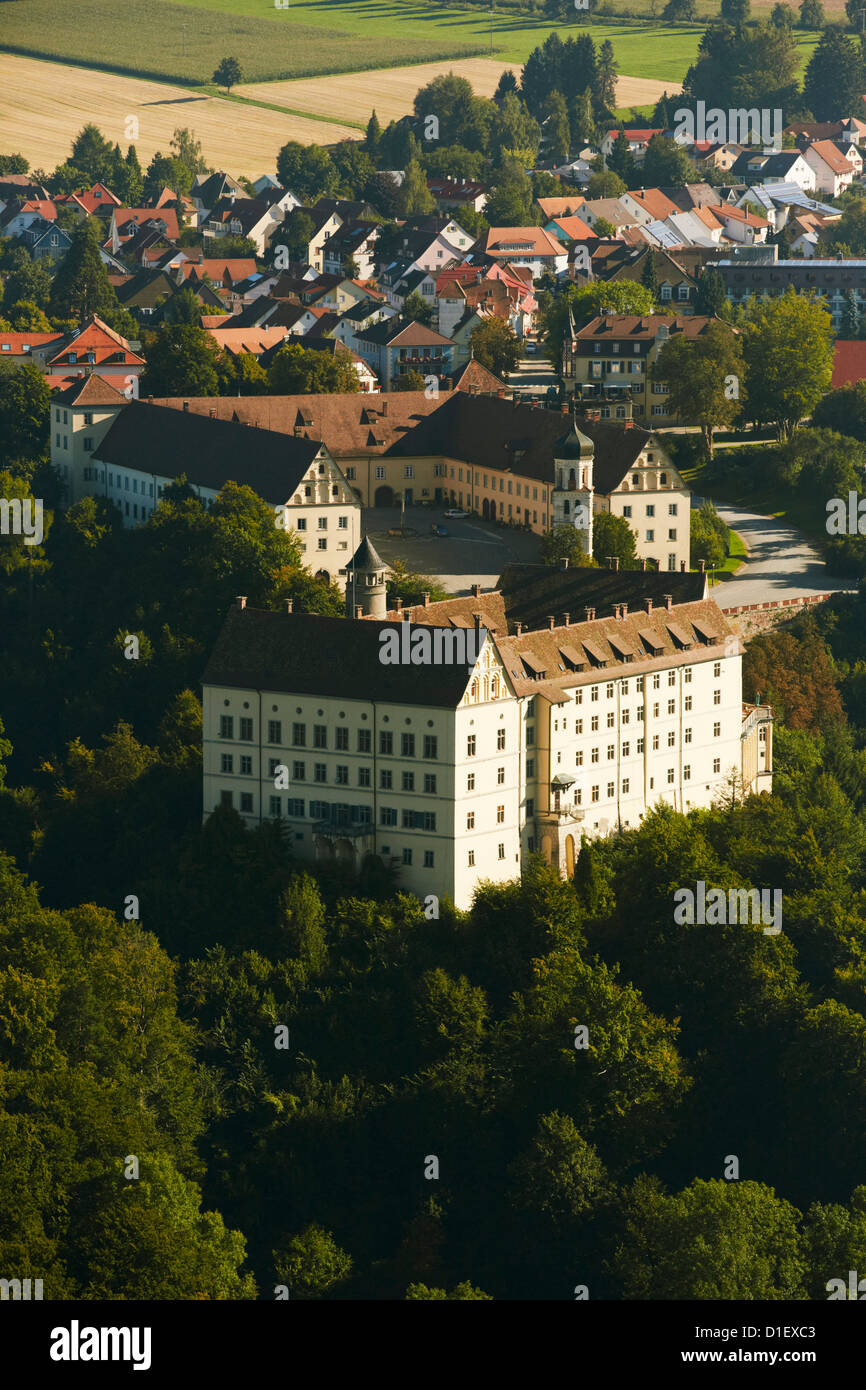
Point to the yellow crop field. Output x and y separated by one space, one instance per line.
44 105
391 91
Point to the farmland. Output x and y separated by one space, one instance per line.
179 43
43 107
391 91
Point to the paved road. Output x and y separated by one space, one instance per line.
533 376
781 563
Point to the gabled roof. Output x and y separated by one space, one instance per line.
653 202
98 338
154 439
19 344
126 220
296 652
216 268
511 241
397 332
561 207
574 229
342 419
91 390
637 137
827 151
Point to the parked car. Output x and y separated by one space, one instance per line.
456 512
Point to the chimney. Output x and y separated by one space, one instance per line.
590 615
425 598
649 605
359 612
669 601
564 564
476 618
623 610
241 600
290 603
398 605
384 409
566 618
551 621
476 590
518 628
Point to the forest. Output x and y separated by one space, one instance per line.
222 1074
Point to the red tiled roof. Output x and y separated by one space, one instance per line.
14 344
849 363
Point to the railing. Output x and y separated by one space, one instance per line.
758 714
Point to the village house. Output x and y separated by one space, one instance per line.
637 143
532 247
833 170
393 348
618 351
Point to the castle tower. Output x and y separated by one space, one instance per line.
365 582
573 484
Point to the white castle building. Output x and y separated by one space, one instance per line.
593 696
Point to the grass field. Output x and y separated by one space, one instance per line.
644 49
391 91
43 107
160 39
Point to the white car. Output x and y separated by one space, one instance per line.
456 512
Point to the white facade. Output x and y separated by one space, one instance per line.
455 796
323 509
435 791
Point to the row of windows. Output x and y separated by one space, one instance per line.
410 820
322 523
595 690
651 511
472 743
364 737
500 854
500 817
626 747
595 792
341 774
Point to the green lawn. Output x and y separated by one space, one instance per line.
179 43
767 501
643 48
184 42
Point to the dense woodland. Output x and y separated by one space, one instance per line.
408 1037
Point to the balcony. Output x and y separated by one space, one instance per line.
753 715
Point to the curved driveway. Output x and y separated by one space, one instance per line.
781 563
